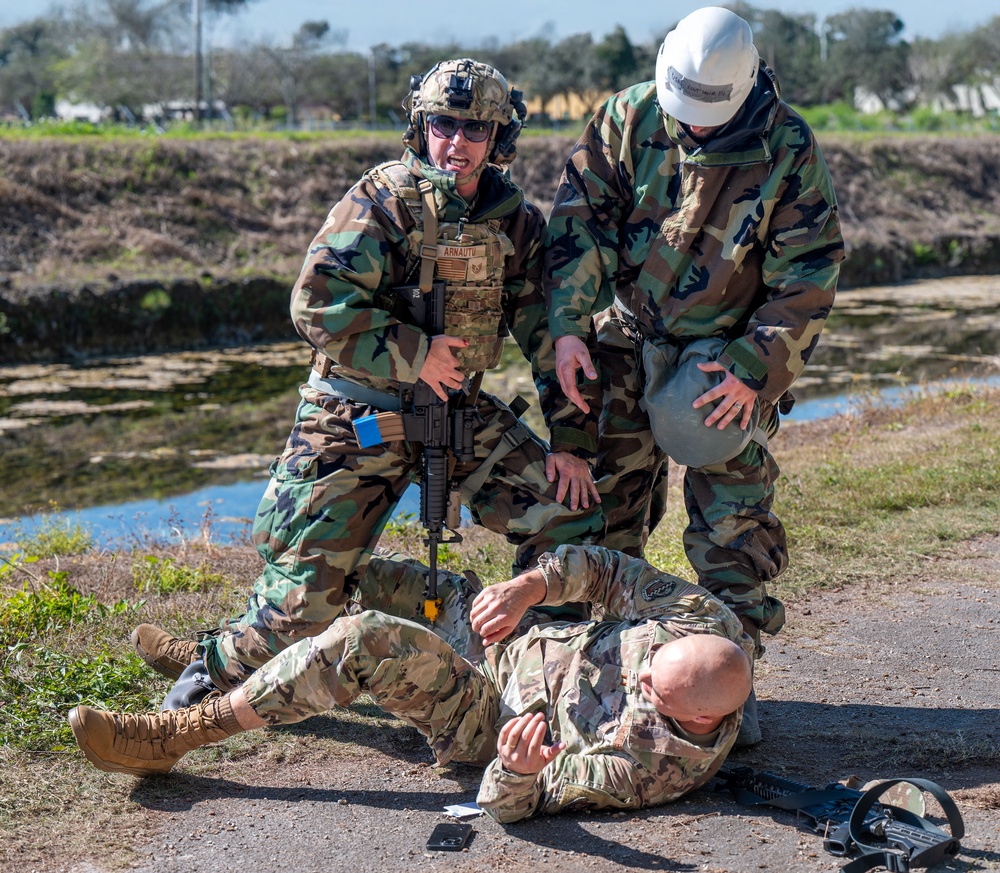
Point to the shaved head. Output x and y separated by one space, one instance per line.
699 677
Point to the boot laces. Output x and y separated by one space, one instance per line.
179 650
172 730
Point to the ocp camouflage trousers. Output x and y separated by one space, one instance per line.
328 502
733 540
428 678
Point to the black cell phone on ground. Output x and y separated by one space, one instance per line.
449 837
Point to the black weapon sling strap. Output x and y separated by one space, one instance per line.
858 838
877 853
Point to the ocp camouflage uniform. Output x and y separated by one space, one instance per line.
329 499
620 753
658 236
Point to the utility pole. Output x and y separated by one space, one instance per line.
196 14
371 88
208 80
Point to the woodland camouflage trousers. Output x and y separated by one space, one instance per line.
733 540
326 506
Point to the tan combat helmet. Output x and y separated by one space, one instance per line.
465 89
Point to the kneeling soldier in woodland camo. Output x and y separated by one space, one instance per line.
447 214
633 710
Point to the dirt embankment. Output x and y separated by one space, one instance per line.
109 247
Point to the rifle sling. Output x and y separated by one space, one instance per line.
947 845
853 836
511 439
428 250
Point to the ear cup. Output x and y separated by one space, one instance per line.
505 141
508 133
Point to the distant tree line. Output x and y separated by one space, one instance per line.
129 54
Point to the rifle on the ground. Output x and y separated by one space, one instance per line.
854 823
442 428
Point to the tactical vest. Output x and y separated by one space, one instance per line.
470 259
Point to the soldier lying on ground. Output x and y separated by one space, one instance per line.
447 210
632 710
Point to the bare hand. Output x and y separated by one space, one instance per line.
440 369
571 355
498 608
575 479
521 744
735 398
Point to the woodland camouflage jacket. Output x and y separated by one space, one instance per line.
369 244
620 751
738 237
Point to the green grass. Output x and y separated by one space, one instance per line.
50 683
878 498
166 576
839 117
54 535
43 675
49 608
178 130
842 117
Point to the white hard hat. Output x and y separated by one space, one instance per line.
706 67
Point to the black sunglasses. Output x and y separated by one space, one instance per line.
445 127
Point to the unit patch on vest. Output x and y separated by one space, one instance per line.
461 263
658 588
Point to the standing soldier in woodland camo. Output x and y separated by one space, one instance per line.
447 208
695 244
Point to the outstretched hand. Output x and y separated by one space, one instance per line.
521 744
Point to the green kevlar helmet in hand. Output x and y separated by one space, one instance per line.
673 383
465 89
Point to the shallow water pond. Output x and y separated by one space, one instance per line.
167 445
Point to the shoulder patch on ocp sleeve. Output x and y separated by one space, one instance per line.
658 588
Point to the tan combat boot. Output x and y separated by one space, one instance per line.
166 654
153 741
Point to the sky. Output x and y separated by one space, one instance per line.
470 24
